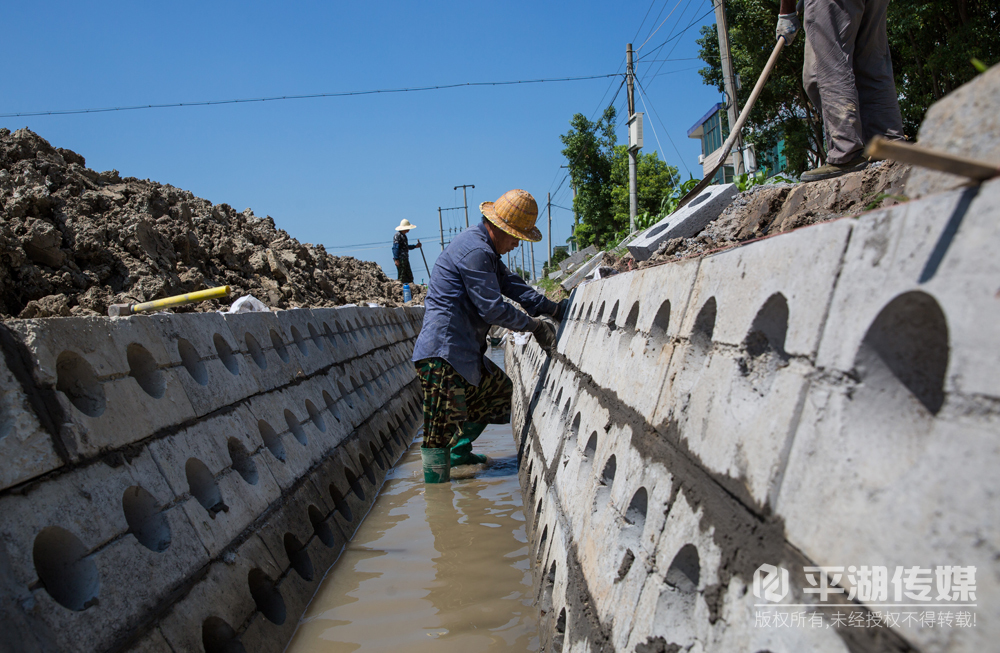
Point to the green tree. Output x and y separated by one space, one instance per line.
931 43
598 168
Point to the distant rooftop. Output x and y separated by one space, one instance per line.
696 131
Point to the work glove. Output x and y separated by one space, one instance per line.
561 309
545 333
788 26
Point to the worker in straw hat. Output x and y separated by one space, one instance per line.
401 251
463 390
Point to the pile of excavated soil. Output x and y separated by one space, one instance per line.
73 241
776 208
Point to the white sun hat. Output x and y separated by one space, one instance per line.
405 225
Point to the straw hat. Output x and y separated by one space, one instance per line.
404 225
515 213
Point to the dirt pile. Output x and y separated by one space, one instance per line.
73 241
776 208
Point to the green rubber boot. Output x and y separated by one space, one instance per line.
437 465
461 451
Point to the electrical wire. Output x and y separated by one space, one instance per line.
674 37
644 94
170 105
660 25
644 20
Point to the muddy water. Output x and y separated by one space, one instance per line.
433 567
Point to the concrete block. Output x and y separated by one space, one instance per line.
222 592
339 343
206 356
737 381
581 272
264 361
965 122
572 261
936 251
100 370
686 222
305 339
26 449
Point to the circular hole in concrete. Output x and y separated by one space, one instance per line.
636 513
574 429
661 321
339 504
608 475
279 346
203 487
906 348
67 572
589 309
226 354
300 342
255 351
314 336
613 316
266 596
143 368
704 327
355 484
242 461
559 397
217 636
376 456
685 570
295 427
298 557
367 470
145 520
76 379
600 313
315 416
541 544
330 336
321 528
331 405
633 317
192 361
559 638
272 440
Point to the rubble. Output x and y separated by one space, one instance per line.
73 241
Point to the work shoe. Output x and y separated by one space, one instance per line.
461 451
831 170
437 465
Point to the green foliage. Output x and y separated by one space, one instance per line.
598 168
978 65
747 181
931 43
670 202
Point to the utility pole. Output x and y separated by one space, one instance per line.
531 246
729 81
465 202
522 260
633 148
441 227
548 205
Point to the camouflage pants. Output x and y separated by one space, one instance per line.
450 401
403 268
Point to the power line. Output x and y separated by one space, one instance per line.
665 131
675 36
65 112
644 20
661 24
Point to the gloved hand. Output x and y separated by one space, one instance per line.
788 26
545 333
561 309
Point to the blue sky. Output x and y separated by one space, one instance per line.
344 171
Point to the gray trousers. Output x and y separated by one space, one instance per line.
847 74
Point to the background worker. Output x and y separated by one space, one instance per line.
463 390
847 74
401 251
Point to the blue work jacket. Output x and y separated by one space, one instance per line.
465 297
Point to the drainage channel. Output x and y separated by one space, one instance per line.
433 567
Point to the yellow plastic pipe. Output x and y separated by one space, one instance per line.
178 300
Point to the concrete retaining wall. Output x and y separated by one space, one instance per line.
826 397
183 482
